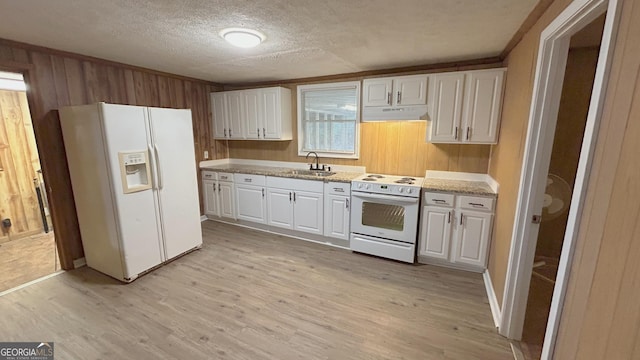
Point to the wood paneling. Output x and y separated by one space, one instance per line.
506 156
601 313
57 79
18 166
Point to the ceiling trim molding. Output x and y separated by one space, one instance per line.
528 23
51 51
475 64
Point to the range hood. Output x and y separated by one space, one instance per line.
387 113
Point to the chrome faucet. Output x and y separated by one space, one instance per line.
311 165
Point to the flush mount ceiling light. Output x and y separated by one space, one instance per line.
244 38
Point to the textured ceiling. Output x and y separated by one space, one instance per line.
304 37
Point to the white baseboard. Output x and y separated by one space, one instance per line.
493 300
203 218
79 262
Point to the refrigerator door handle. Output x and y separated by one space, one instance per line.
154 166
158 171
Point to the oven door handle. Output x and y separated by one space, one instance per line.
400 199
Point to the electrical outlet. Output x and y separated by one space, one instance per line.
206 154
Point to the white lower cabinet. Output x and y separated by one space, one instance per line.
250 198
455 230
218 194
337 210
295 204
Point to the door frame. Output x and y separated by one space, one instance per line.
549 78
28 71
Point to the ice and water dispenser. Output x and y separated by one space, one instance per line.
134 168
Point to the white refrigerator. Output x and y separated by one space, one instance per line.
133 173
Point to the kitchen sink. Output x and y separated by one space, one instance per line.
312 172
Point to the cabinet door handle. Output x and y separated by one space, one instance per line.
289 196
347 203
294 197
258 133
230 133
461 216
218 187
455 137
264 133
449 220
399 97
262 192
468 129
389 98
225 132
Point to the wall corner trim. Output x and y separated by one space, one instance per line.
493 300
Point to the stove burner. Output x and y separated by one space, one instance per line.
404 181
375 176
408 178
369 179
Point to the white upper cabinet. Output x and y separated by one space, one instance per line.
446 106
395 91
483 105
227 111
465 106
253 114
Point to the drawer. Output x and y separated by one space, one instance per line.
209 175
295 184
438 199
258 180
337 188
475 203
225 177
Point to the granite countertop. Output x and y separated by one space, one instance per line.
339 176
458 186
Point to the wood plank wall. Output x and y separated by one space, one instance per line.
57 79
395 148
601 314
19 164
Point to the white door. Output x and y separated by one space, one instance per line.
410 90
473 238
435 232
377 92
280 208
446 108
308 216
336 216
218 105
252 113
251 204
172 134
482 109
226 200
126 129
271 113
210 197
235 114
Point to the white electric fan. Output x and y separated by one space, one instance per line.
557 198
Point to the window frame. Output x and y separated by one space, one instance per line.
356 85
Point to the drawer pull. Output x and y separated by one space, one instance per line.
439 201
338 190
247 180
476 204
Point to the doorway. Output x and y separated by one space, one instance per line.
579 76
27 242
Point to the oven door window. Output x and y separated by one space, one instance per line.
383 216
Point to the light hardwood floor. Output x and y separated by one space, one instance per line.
252 295
26 259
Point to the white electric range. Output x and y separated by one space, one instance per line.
384 215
